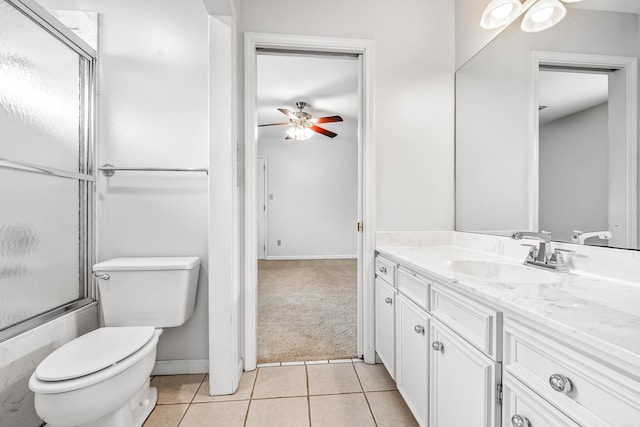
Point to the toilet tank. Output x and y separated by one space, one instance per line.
147 291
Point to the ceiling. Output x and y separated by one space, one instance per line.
566 93
328 84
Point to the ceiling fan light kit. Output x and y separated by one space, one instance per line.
540 14
301 124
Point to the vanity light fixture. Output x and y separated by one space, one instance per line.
499 13
540 14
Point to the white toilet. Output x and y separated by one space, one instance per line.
101 379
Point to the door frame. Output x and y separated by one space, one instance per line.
265 230
630 66
366 245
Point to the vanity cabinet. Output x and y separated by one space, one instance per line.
463 382
412 344
385 324
586 390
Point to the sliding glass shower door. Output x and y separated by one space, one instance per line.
46 175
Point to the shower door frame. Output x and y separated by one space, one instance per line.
86 175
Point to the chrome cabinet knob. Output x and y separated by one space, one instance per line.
388 300
437 346
560 383
519 421
383 270
419 329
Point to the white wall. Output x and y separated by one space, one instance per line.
153 112
314 209
574 173
493 107
470 36
414 66
19 357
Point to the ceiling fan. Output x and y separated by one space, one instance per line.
302 125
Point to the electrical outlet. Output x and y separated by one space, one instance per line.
279 242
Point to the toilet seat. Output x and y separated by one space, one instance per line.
93 357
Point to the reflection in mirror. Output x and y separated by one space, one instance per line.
569 168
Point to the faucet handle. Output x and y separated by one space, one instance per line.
563 250
533 252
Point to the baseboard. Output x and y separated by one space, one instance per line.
303 257
177 367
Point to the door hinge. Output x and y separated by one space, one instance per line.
359 227
499 394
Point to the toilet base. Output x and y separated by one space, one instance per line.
133 413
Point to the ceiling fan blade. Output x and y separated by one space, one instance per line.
323 131
288 113
328 119
273 124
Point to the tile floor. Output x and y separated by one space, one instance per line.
336 393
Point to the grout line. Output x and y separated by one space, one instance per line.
366 399
253 387
306 371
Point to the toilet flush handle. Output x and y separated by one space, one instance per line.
101 276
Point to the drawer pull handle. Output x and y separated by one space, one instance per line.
388 300
560 383
419 329
437 346
519 421
383 270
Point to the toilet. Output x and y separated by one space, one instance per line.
101 379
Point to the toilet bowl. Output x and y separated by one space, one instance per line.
101 379
112 390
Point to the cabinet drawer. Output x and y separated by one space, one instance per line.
478 324
520 403
414 286
596 395
386 270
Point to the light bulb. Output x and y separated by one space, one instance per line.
542 15
502 11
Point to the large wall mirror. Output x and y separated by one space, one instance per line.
546 130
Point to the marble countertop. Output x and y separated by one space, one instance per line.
593 309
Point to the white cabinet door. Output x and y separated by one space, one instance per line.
463 381
385 314
412 340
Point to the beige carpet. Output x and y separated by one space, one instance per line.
307 310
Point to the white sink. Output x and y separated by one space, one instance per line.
503 273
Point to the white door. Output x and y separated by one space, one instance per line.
261 204
385 325
463 381
412 340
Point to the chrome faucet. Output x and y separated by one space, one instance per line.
538 256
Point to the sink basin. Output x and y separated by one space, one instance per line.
503 273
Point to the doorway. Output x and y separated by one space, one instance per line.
585 128
296 45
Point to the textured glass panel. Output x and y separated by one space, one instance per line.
39 244
39 94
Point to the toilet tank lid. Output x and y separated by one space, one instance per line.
148 263
93 352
